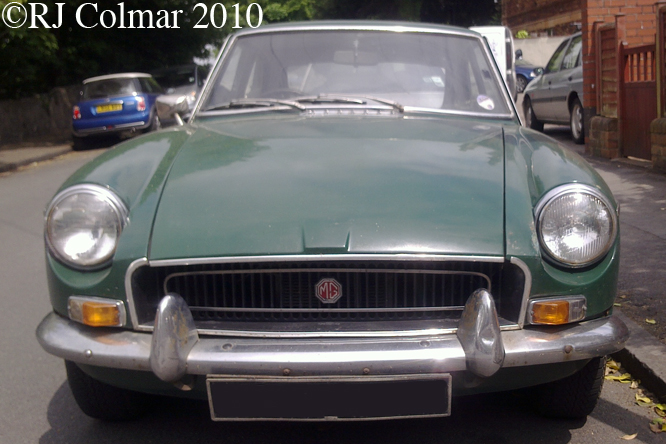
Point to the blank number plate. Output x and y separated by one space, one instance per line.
328 398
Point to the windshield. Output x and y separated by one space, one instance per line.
412 69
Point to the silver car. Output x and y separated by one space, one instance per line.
557 95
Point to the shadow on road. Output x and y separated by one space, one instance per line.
497 418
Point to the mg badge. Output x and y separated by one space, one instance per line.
328 290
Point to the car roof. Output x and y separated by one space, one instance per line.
174 68
361 25
124 75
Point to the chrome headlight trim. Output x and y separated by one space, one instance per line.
115 204
569 189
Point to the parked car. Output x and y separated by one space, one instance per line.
557 95
352 225
115 103
525 73
185 80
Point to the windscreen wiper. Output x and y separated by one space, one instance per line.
256 103
329 98
349 98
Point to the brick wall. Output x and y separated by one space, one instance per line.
636 23
42 118
639 23
658 135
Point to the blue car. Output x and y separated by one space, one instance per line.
115 103
525 73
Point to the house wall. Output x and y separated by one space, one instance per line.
639 22
538 50
555 17
636 24
658 135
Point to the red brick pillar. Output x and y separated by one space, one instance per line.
658 126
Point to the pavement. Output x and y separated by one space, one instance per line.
13 159
644 356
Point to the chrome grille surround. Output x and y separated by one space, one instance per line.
273 296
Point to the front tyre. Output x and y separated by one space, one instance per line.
531 120
155 123
576 122
575 396
102 401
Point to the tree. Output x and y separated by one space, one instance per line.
23 52
461 12
35 60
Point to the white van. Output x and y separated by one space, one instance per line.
500 40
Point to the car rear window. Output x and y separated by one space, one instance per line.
109 87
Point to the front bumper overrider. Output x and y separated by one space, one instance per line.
175 350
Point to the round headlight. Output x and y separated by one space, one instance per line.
576 225
83 225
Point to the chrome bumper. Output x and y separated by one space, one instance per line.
175 350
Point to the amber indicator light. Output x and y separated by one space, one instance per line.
550 312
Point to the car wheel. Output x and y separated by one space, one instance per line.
521 83
530 118
575 396
155 123
576 121
102 401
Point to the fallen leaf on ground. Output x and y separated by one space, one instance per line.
612 364
635 383
660 409
658 425
650 321
617 304
643 400
624 378
629 437
624 296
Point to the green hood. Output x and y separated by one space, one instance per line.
309 185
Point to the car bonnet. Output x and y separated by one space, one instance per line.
312 185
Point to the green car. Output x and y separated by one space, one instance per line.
353 224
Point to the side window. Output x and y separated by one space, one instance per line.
229 76
556 60
572 55
154 85
145 86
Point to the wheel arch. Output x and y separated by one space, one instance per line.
573 95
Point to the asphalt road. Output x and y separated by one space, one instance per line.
36 405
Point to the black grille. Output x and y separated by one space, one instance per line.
285 292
